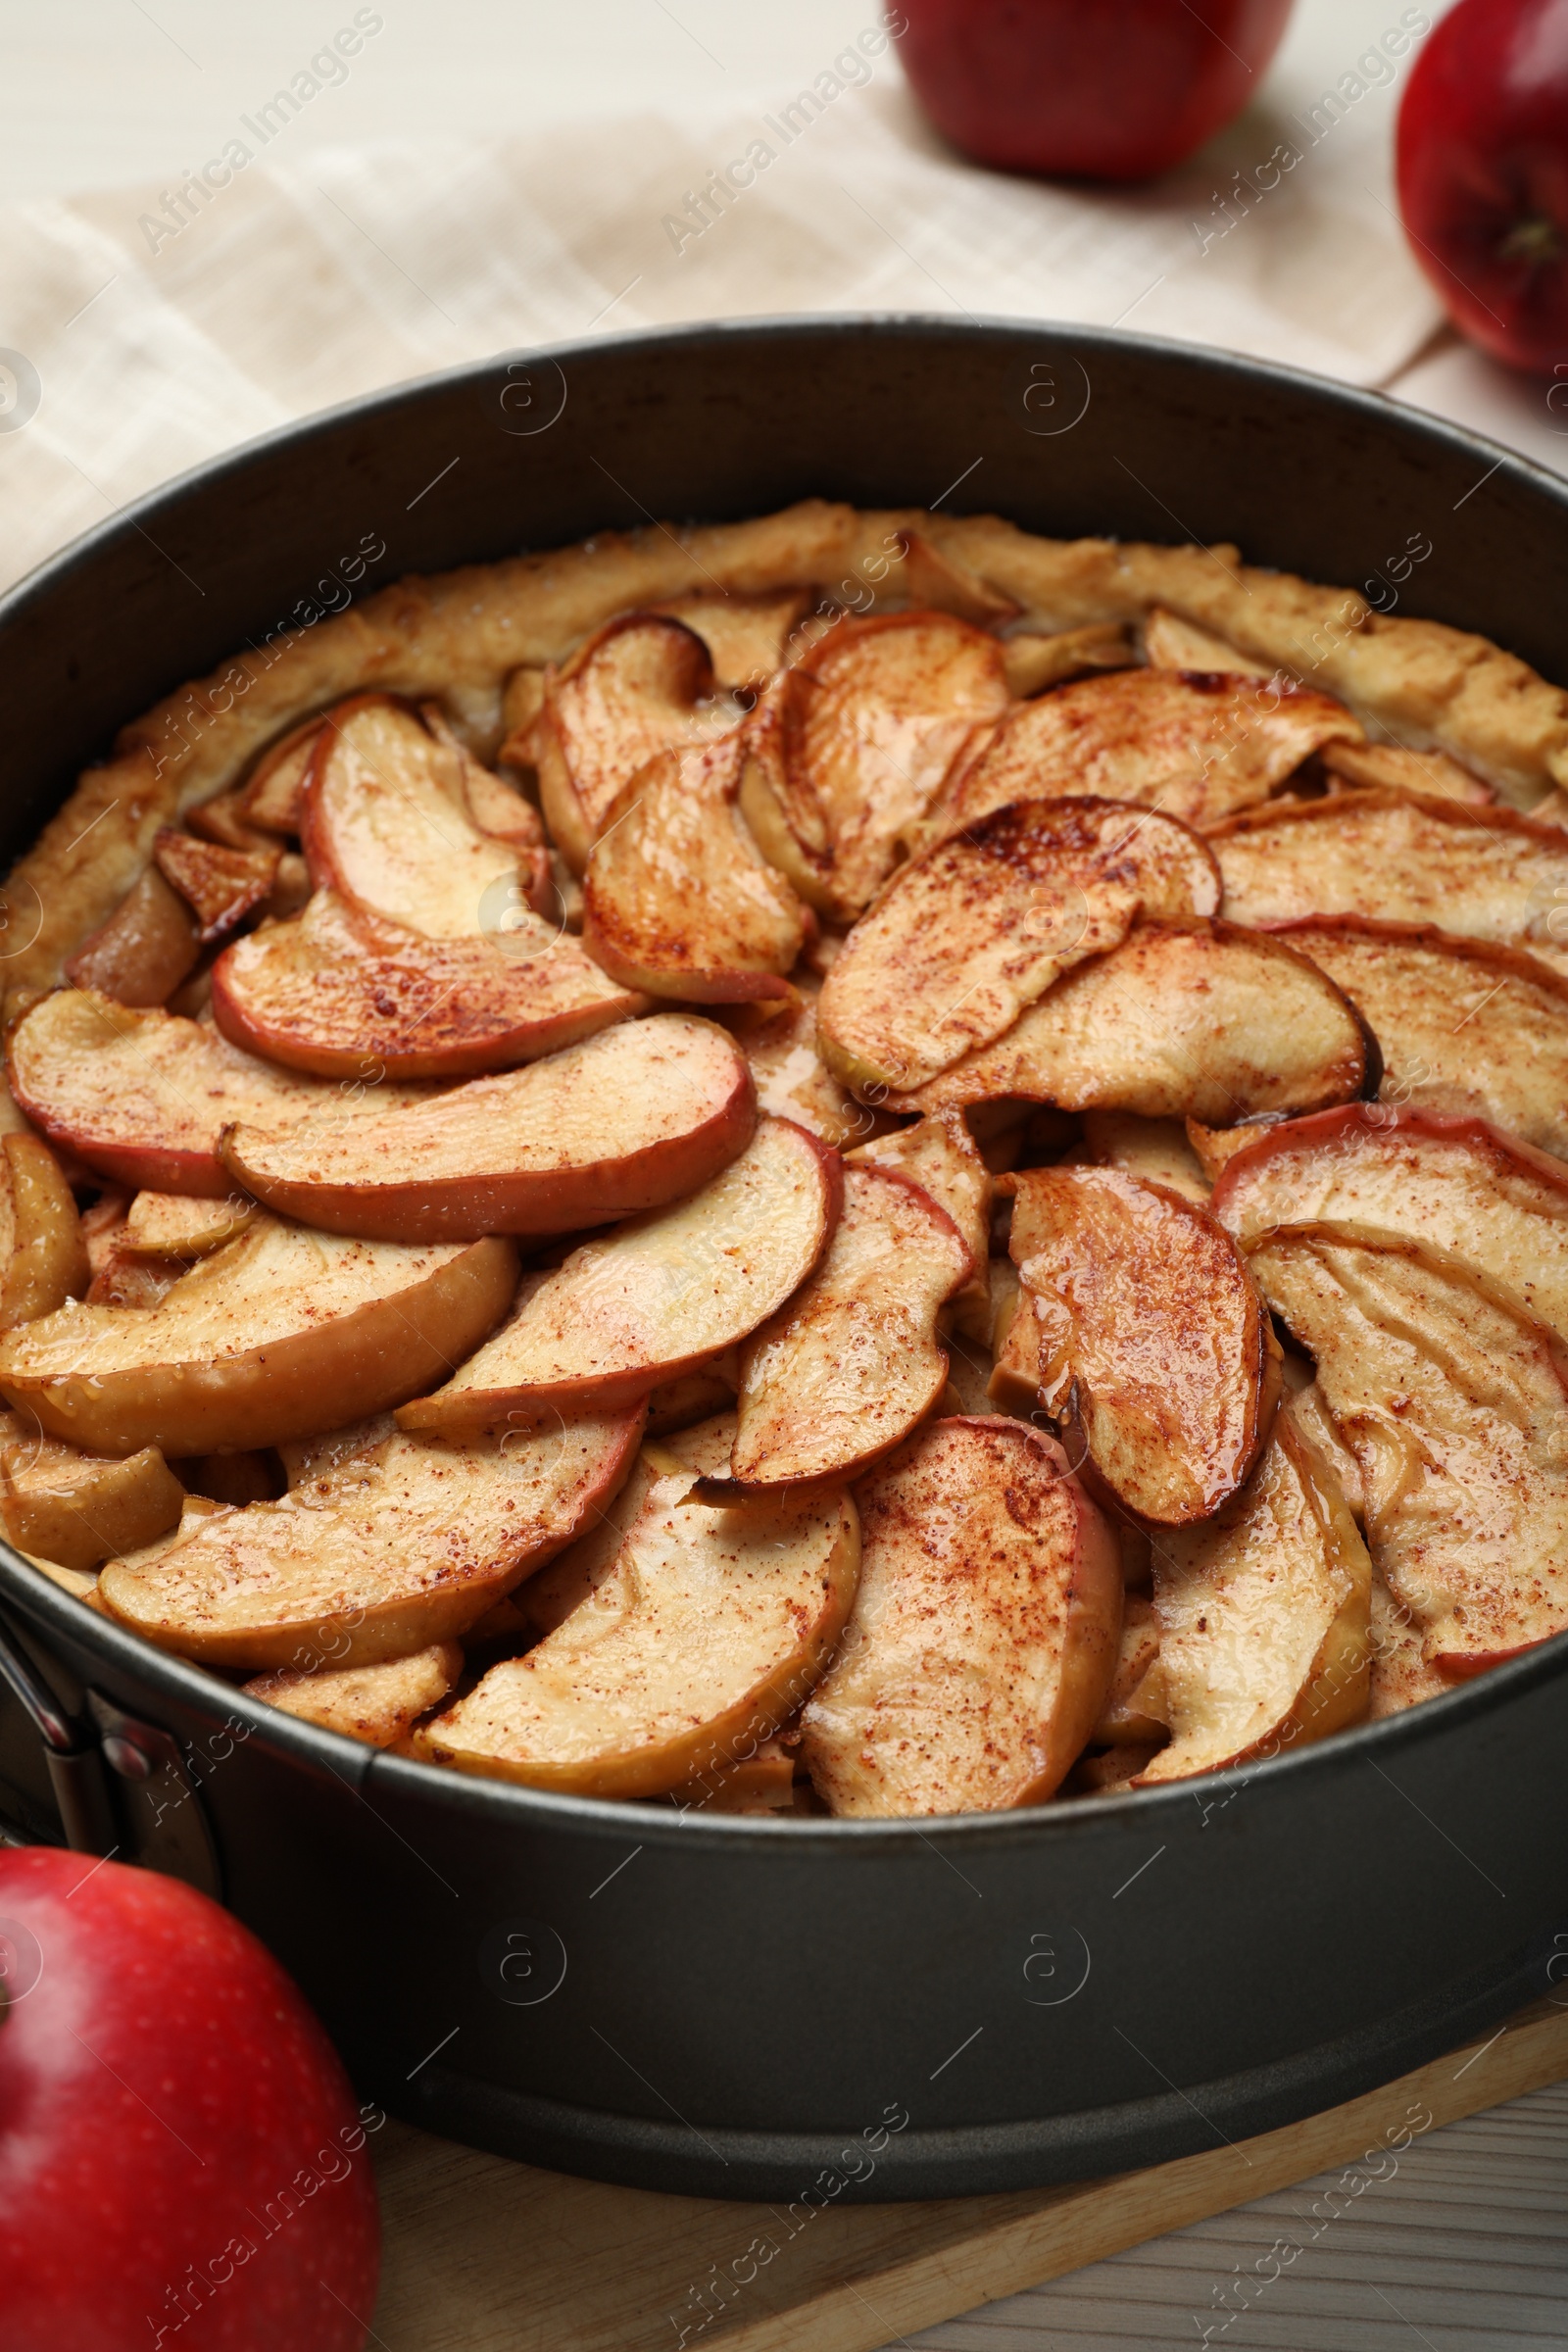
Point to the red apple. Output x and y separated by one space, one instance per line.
1483 162
183 2162
1105 89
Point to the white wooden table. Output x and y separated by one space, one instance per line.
1467 2248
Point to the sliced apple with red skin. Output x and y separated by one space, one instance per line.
77 1508
638 686
985 1631
1454 1403
1199 1018
1482 873
969 934
663 1294
700 1641
676 898
220 886
276 782
1465 1028
43 1251
344 994
379 1703
142 1095
1156 1355
843 1371
942 1157
634 1119
401 1543
1196 747
1264 1618
385 824
1454 1184
241 1351
178 1225
854 743
149 944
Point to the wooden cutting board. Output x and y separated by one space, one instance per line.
483 2255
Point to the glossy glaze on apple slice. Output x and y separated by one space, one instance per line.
1482 873
636 687
399 1543
700 1639
942 1157
76 1508
1454 1403
975 929
1198 1018
985 1631
792 1079
1196 746
385 822
661 1296
220 886
43 1251
1157 1358
1454 1184
635 1117
677 900
1264 1618
142 1095
343 994
845 1370
851 747
260 1340
379 1703
1465 1028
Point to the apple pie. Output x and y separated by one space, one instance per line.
853 1163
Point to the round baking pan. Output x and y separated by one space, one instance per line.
808 2010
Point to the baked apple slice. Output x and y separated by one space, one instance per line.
148 946
1264 1618
177 1225
663 1294
676 898
242 1351
343 994
1157 1356
1454 1184
1401 1675
1198 1018
272 790
700 1641
220 886
792 1079
142 1095
43 1251
636 687
1196 747
1171 643
856 741
399 1543
76 1508
974 930
633 1118
1465 1028
842 1374
985 1631
1136 1712
1455 1404
748 637
1483 873
380 1704
385 824
1033 663
1431 774
942 1157
1159 1150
